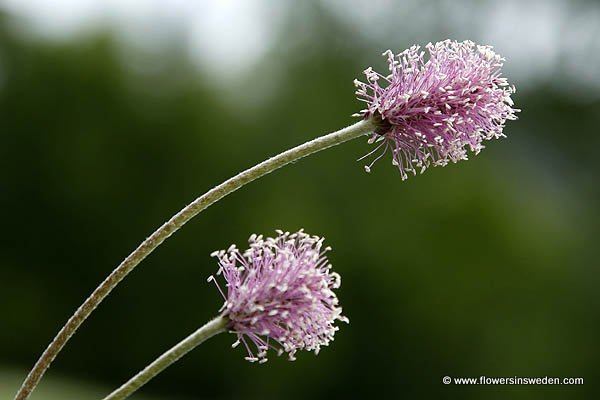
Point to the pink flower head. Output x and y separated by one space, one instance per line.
280 294
432 110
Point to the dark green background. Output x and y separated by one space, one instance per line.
488 267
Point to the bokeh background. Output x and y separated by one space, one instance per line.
115 114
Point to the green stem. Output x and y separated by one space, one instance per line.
168 228
210 329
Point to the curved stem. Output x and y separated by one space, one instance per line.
168 228
210 329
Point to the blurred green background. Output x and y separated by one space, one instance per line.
113 118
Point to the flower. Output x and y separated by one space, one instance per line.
280 294
431 111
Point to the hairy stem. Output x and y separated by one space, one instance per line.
210 329
168 228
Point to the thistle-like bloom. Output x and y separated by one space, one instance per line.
433 110
280 294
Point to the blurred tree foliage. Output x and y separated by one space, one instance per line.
488 267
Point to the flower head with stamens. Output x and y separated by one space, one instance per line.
433 110
280 294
